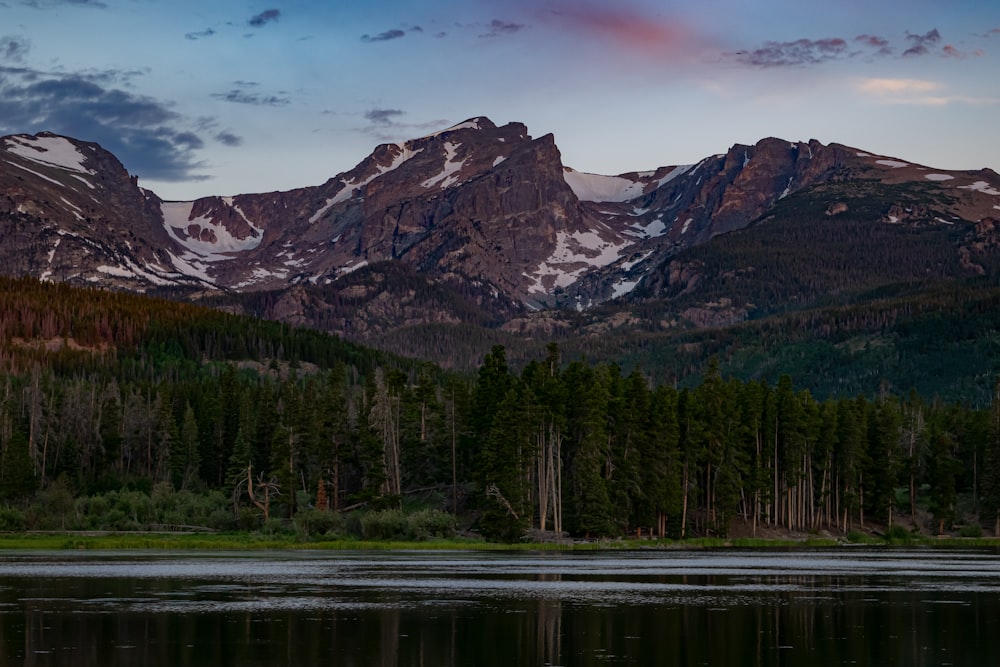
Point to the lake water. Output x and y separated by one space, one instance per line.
847 606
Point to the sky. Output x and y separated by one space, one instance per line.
220 97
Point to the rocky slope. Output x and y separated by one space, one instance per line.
483 223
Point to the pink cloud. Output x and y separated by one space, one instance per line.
950 51
629 29
881 44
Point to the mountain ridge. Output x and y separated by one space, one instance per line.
486 218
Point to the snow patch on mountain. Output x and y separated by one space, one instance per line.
674 173
938 177
130 270
351 268
52 151
259 275
649 230
574 254
35 173
597 188
177 217
195 266
895 164
471 124
348 187
981 186
448 174
623 287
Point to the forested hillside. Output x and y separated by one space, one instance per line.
119 411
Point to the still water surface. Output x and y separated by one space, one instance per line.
846 606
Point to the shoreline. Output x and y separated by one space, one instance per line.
129 541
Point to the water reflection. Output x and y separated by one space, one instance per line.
715 608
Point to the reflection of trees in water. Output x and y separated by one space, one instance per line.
549 624
810 619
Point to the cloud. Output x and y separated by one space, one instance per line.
628 29
921 44
384 36
498 27
383 116
48 4
950 51
897 86
265 17
229 139
799 52
207 32
384 125
145 133
14 48
916 92
241 95
880 44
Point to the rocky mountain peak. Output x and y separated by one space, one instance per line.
476 205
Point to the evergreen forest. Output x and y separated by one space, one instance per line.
121 412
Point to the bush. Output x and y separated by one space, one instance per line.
277 528
397 525
11 520
384 525
971 530
52 508
320 523
898 533
855 536
430 523
248 519
220 519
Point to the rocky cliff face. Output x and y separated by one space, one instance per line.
483 211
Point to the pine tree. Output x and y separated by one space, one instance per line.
990 507
588 428
185 464
661 465
942 476
17 473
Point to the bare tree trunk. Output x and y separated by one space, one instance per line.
543 478
556 469
684 501
454 460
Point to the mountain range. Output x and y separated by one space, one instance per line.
479 228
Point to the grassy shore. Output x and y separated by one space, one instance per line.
254 541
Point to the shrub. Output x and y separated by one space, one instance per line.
384 525
220 519
855 536
898 533
319 523
277 528
11 520
971 530
52 508
248 519
429 523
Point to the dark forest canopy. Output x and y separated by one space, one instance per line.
103 392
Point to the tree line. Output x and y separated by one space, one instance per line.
107 391
575 448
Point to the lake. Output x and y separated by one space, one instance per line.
845 606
